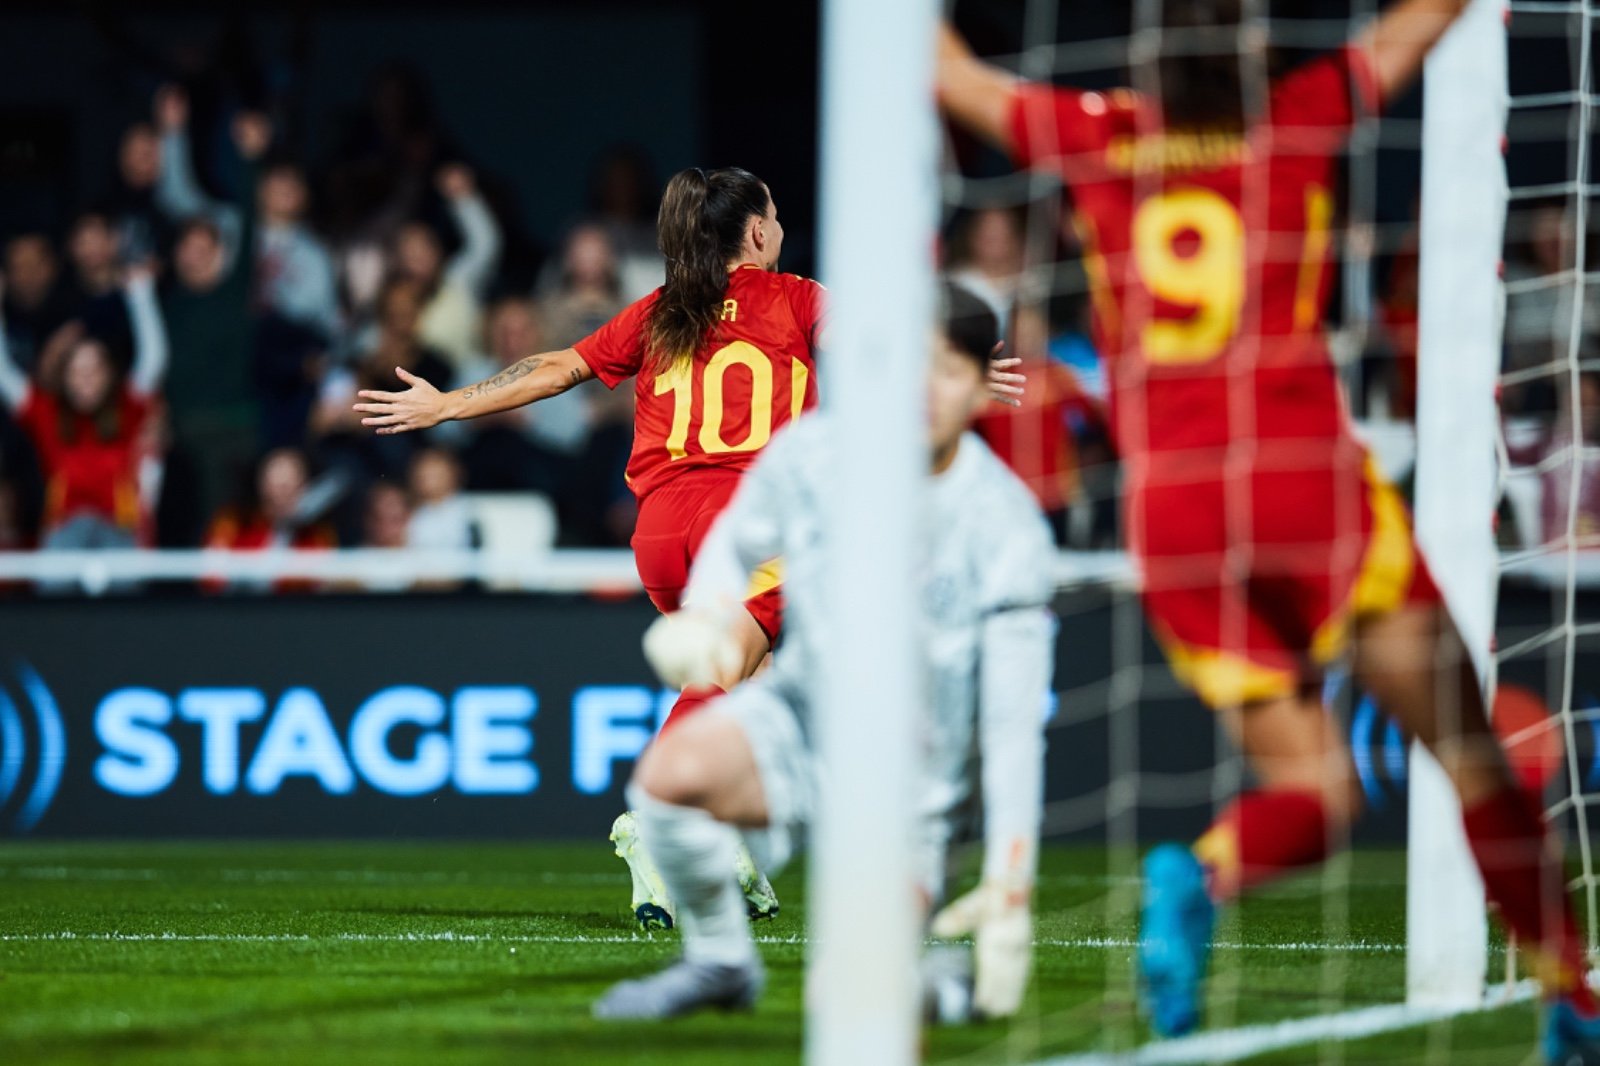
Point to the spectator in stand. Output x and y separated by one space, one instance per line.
1555 455
986 258
90 424
623 199
94 291
35 305
291 361
387 521
389 147
1038 439
293 272
440 516
397 354
277 513
452 315
510 451
590 292
1539 317
215 411
142 228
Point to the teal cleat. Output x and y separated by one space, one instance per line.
1175 923
1570 1039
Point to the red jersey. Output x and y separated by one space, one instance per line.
1035 439
1207 254
84 472
718 409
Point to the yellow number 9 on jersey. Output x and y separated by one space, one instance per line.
1209 278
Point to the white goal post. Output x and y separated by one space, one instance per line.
1462 302
880 207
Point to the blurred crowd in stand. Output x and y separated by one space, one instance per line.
179 360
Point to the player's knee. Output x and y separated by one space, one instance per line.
673 772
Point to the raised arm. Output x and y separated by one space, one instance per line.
178 191
1399 41
149 332
14 384
422 406
978 96
473 265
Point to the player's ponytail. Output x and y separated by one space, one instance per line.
1201 69
700 228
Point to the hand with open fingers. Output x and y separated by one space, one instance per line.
420 407
691 647
999 917
1004 385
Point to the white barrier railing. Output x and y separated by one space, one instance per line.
567 570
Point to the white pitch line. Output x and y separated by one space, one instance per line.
1231 1045
351 938
380 877
448 937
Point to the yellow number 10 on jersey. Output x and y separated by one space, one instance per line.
680 381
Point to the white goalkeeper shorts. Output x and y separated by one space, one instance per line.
784 762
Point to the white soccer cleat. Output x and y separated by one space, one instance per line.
651 905
759 897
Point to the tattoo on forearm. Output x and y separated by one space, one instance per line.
520 369
576 377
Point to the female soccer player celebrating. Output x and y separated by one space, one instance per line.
722 355
1267 543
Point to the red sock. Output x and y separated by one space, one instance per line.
1262 835
1522 875
689 701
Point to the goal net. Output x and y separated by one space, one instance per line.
1437 228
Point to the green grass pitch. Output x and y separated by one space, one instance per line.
457 953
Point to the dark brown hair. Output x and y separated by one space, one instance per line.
1201 72
107 418
701 226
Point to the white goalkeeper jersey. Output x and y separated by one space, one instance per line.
986 568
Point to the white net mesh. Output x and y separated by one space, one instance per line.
1550 399
1135 759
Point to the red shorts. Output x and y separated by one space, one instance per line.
673 520
1252 582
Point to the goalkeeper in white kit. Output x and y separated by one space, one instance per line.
744 765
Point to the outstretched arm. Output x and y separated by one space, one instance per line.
1401 39
149 332
978 96
538 377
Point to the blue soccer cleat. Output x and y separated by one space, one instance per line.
1175 923
1569 1038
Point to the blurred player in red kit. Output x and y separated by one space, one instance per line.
1268 544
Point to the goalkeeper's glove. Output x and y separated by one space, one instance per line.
1000 919
691 647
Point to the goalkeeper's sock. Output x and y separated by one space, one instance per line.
694 853
1262 835
691 700
1522 875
